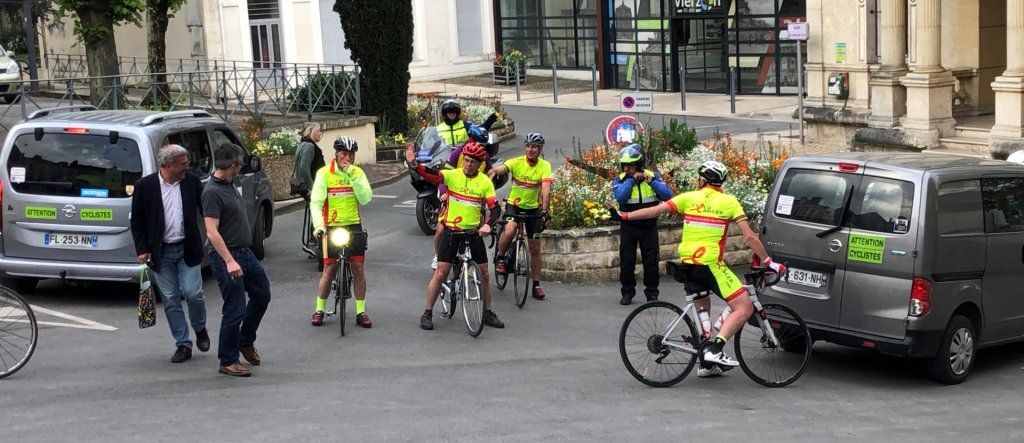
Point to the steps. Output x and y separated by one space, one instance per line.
967 140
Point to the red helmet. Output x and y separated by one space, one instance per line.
474 150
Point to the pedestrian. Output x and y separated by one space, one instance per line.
309 158
637 188
237 270
165 227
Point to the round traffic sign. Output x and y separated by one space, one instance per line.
628 102
623 129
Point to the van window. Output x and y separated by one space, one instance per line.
882 205
815 196
1002 199
74 165
221 136
200 156
959 205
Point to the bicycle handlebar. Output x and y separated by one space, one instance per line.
760 275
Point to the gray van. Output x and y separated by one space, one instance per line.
67 181
917 255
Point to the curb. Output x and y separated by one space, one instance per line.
285 206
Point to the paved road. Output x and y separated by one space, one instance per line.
553 374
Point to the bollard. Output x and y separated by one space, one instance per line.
636 73
593 80
518 97
554 79
682 88
732 89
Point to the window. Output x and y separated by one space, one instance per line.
812 196
959 206
74 165
221 136
553 31
265 33
882 205
1002 199
470 35
200 156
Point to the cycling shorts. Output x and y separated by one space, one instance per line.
356 250
715 277
534 225
448 246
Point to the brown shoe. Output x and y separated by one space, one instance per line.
250 354
363 320
235 370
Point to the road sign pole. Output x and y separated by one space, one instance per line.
800 87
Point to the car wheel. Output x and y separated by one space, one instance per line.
259 235
956 353
21 285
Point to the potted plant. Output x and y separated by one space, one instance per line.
505 67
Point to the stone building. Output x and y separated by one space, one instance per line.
917 74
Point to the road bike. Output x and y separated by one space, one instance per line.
18 332
463 285
659 342
517 259
342 239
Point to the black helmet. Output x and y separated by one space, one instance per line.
450 106
346 143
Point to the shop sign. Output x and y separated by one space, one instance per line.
698 6
623 129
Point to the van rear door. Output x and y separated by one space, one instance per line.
883 218
803 228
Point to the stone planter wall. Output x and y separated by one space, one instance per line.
591 255
279 170
390 153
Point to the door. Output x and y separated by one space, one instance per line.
700 52
883 222
1002 293
803 228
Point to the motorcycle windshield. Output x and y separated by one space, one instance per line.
431 148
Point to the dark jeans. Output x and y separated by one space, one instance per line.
241 319
646 235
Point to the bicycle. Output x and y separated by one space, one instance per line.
773 347
464 283
342 284
18 332
518 257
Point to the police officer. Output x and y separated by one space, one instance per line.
452 128
636 188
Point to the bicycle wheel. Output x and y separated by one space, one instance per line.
640 344
344 293
472 299
521 272
768 365
500 280
18 332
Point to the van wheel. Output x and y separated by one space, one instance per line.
258 235
21 285
956 354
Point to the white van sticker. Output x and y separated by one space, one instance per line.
784 205
902 226
18 175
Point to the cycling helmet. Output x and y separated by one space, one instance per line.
474 150
346 144
477 134
714 172
534 138
631 154
450 106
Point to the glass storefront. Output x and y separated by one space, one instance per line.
648 43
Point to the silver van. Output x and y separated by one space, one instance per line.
67 178
917 255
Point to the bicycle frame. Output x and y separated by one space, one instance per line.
758 314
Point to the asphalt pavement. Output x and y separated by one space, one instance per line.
553 374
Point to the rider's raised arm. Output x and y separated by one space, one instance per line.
434 177
361 187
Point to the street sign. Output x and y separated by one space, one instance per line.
797 30
623 129
634 101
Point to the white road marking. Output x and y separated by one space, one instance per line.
407 204
79 322
384 196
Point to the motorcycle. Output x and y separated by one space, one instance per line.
434 151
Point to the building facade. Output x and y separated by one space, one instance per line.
917 74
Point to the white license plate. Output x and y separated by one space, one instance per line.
64 240
807 278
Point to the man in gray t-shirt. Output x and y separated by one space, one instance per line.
236 268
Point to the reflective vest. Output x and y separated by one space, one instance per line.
643 194
453 134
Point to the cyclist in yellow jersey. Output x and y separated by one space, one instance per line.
338 190
469 192
530 195
707 213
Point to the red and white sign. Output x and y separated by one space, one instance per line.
636 101
623 129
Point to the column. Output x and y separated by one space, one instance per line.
929 86
1008 133
888 96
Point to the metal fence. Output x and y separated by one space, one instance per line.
283 90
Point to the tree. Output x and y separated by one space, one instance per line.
158 14
94 26
379 35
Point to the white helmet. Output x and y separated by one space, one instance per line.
1016 157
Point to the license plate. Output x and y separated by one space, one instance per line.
77 241
807 278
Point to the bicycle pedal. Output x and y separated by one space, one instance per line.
725 368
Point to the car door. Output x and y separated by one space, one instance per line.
245 181
802 228
1003 282
881 254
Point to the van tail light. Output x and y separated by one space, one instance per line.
76 130
920 297
849 167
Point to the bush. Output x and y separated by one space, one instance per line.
327 89
252 131
675 139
